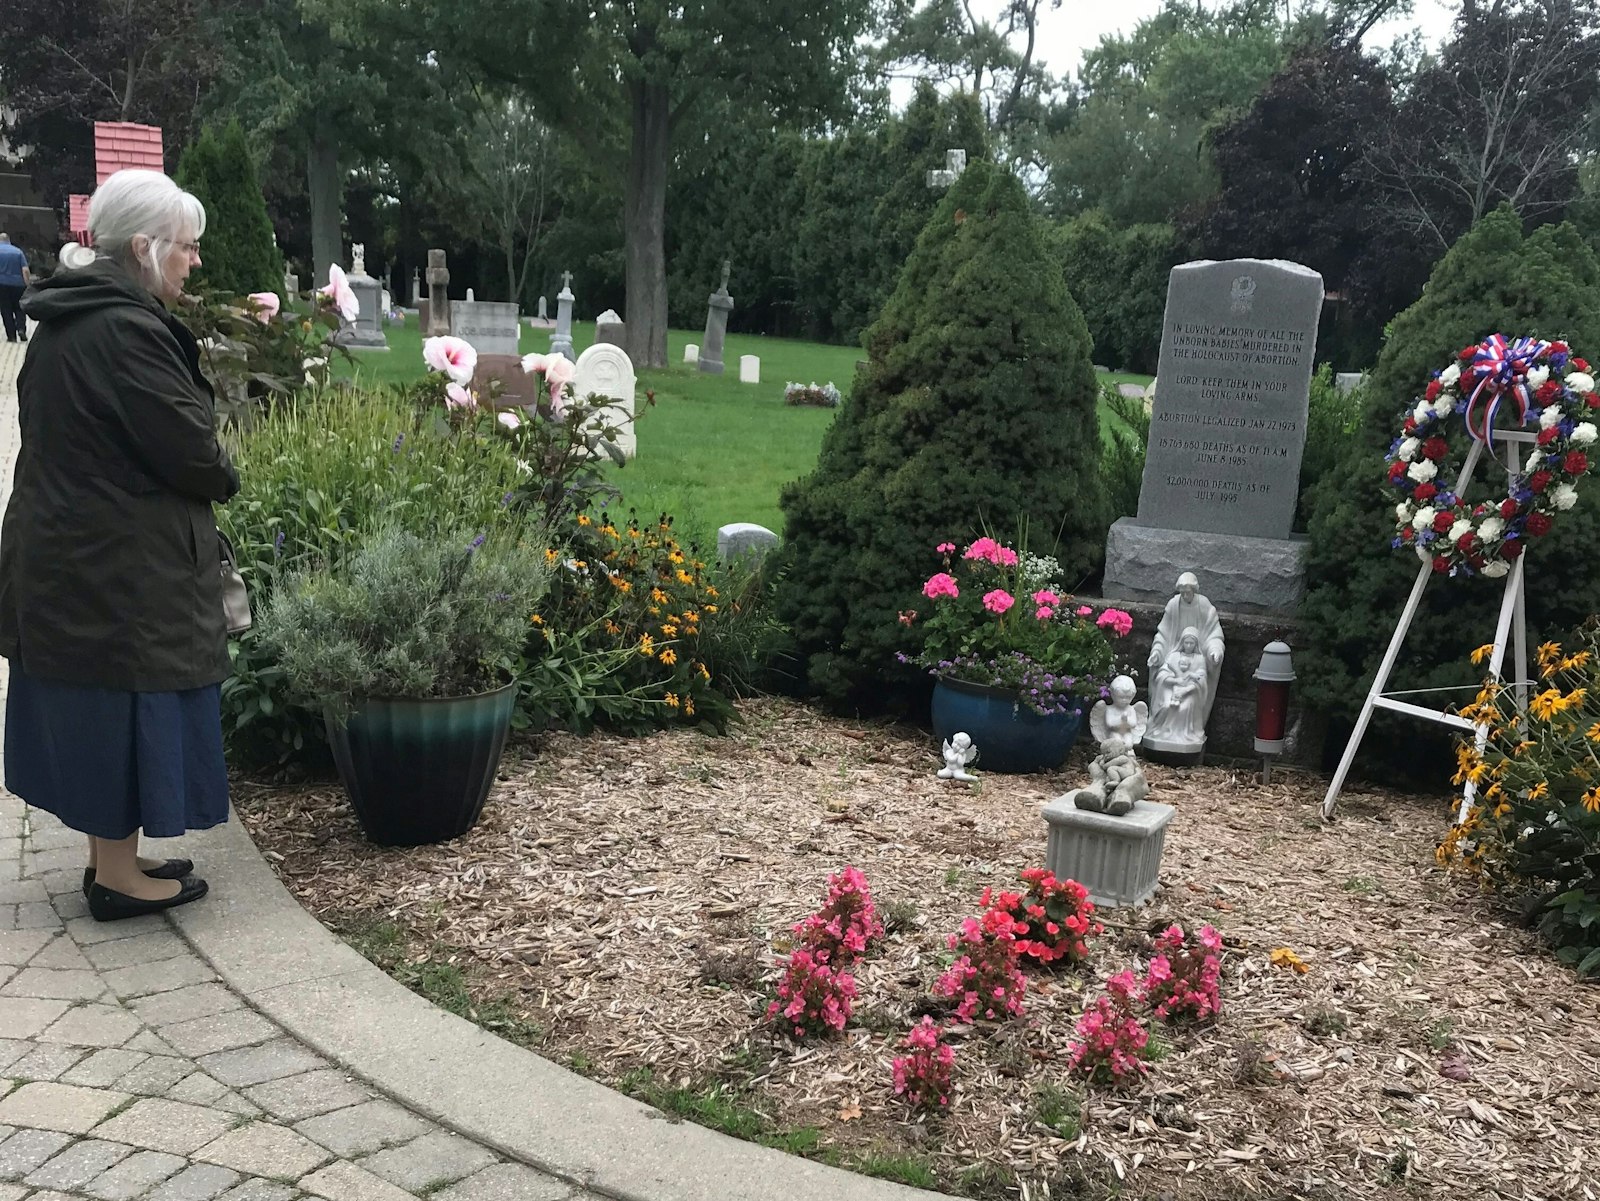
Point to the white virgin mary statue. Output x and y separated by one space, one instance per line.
1188 610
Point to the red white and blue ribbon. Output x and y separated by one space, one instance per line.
1501 368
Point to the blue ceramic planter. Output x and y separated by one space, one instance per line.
418 771
1010 737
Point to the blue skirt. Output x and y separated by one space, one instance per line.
110 763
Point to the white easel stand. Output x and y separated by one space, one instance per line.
1513 622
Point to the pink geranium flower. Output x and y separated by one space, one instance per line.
455 357
998 601
1115 620
945 548
263 305
942 584
1044 613
1045 597
340 293
1005 556
1084 610
983 548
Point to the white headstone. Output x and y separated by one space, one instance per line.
490 325
470 296
744 538
609 317
749 369
691 353
386 301
606 370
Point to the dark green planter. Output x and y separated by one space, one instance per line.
1010 737
419 771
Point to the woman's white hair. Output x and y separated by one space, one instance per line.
133 204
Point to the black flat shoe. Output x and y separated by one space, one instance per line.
108 906
172 869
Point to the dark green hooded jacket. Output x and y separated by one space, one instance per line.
109 557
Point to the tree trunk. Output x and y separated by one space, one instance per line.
322 181
645 223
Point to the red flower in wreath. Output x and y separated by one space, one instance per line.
1549 435
1538 524
1426 492
1580 364
1435 448
1512 549
1433 389
1593 400
1441 564
1468 353
1465 542
1407 534
1539 481
1443 521
1548 391
1508 508
1410 425
1396 470
1576 462
1560 348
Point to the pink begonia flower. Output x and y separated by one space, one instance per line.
510 420
1044 613
455 357
1117 620
940 585
457 397
1084 610
945 548
1045 597
263 305
998 601
338 290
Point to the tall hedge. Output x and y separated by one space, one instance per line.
977 404
1494 279
1119 278
238 253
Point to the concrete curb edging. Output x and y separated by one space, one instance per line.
287 964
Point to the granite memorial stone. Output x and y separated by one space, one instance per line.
717 310
437 321
1227 431
610 328
490 325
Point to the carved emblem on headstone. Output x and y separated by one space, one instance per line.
1243 293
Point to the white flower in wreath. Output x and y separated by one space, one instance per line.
1445 405
1494 570
1403 512
1491 529
1563 496
1581 382
1538 377
1424 553
1423 413
1424 518
1549 416
1423 471
1408 450
1583 434
1460 530
1450 374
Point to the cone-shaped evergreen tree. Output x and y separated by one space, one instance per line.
1494 280
238 253
976 406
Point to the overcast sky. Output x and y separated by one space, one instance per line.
1078 24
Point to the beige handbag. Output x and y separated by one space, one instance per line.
235 597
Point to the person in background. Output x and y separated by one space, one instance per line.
110 563
14 280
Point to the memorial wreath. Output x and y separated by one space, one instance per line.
1529 382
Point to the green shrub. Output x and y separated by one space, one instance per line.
406 617
977 405
1494 279
1332 418
1122 457
318 479
238 253
1119 279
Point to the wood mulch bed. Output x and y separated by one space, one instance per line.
631 898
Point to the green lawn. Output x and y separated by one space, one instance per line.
712 450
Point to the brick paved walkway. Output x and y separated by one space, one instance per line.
128 1070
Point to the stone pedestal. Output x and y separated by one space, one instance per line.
1118 859
561 339
366 331
1247 575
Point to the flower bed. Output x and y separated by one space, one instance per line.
635 901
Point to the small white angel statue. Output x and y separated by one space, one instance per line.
1122 717
958 753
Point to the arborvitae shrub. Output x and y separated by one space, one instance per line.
237 252
977 405
1494 280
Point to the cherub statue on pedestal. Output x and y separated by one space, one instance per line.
958 753
1122 716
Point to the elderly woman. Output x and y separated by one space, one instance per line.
110 591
